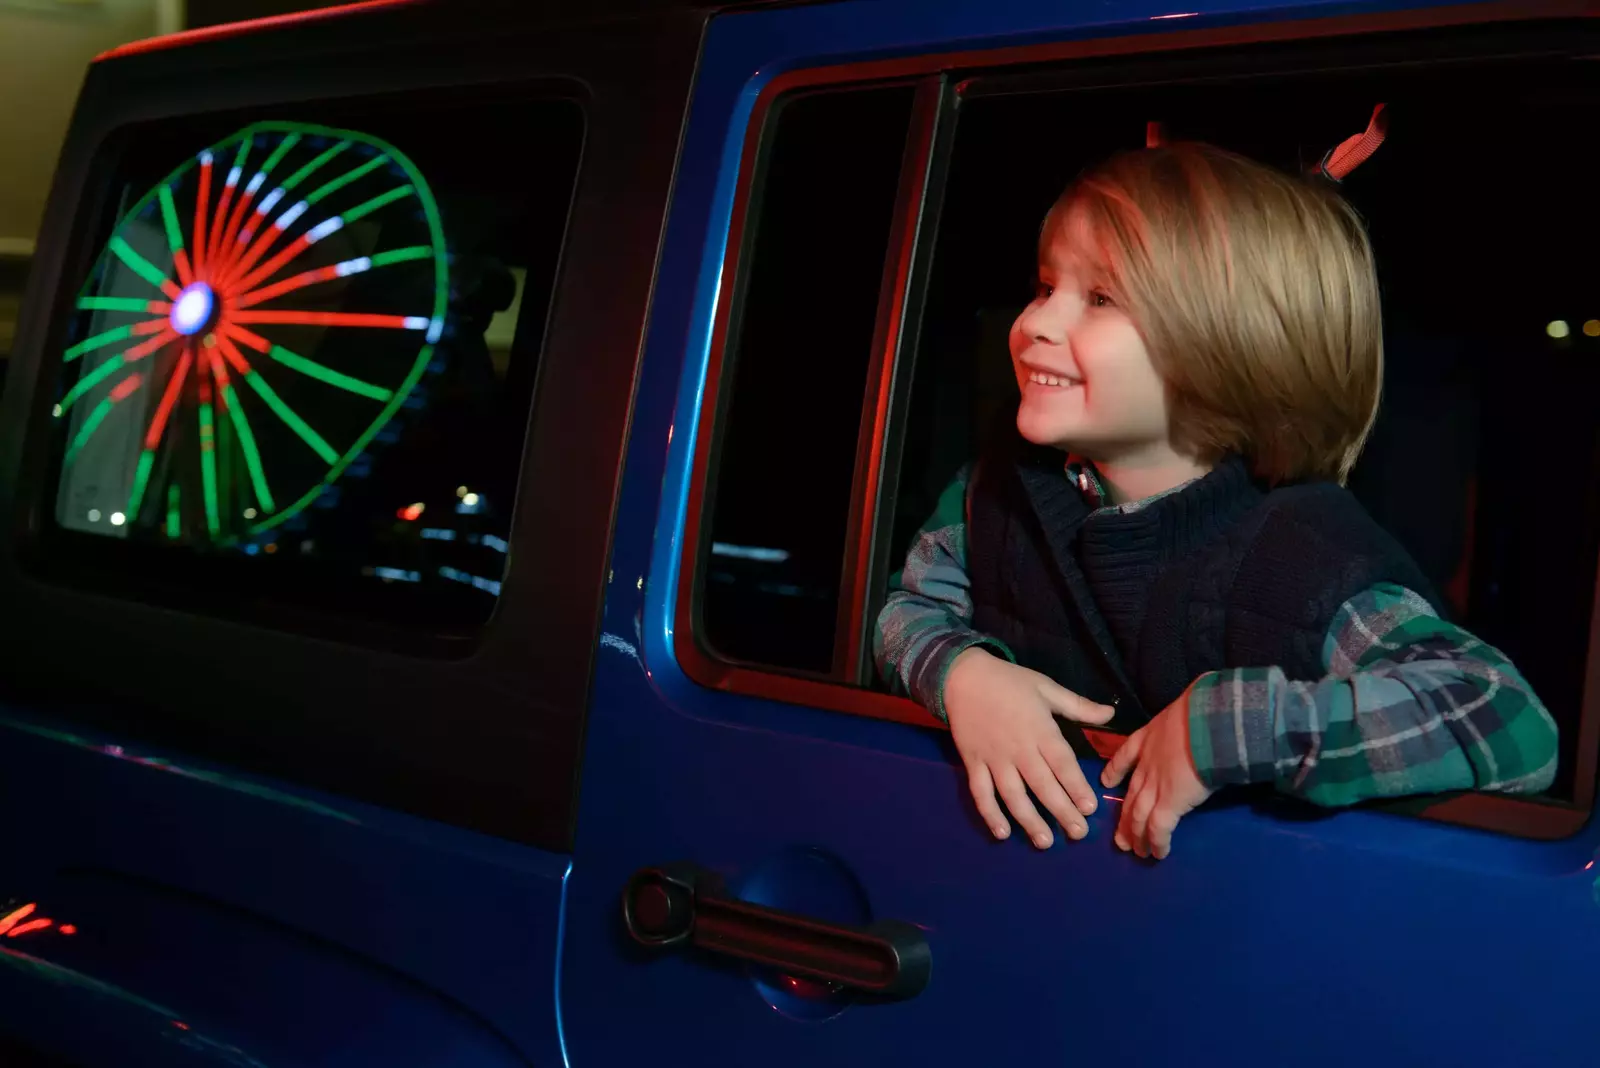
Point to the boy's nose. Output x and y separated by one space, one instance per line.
1048 324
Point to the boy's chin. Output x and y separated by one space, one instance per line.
1040 430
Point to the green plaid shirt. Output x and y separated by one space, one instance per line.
1408 703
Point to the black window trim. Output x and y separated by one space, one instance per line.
867 562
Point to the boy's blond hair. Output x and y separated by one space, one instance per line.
1256 296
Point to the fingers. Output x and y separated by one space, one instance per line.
1123 759
1064 763
1009 783
1068 705
982 787
1162 824
1140 819
1041 777
1125 838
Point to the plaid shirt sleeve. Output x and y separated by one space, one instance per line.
925 623
1410 704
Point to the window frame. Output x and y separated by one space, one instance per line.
942 78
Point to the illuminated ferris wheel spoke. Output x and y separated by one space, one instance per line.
155 344
141 479
111 366
228 245
169 399
90 425
157 428
325 190
236 276
311 368
314 318
370 206
238 280
293 420
290 417
201 204
123 389
99 341
272 199
235 332
327 274
208 466
90 381
169 220
124 304
230 235
230 186
247 439
143 267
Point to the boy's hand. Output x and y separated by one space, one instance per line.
1001 719
1165 786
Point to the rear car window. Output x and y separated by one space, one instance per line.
300 363
799 353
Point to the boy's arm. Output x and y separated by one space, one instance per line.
925 623
1410 704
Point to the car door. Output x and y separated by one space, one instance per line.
755 805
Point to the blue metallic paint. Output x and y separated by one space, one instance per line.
300 929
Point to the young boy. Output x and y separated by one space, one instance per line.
1166 544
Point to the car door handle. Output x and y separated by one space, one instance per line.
682 904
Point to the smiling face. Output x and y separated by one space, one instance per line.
1088 385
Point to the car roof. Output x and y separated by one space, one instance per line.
367 15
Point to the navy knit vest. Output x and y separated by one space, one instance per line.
1130 608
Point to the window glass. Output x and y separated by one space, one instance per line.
1485 462
797 366
299 364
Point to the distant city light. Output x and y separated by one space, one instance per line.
395 574
470 500
94 515
412 511
749 552
1558 329
249 513
461 491
117 519
1592 328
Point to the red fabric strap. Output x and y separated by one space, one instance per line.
1354 151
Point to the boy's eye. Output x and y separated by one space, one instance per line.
1099 298
1043 291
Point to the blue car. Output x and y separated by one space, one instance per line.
454 454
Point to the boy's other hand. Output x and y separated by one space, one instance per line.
1165 786
1001 717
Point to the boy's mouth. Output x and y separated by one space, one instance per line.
1045 378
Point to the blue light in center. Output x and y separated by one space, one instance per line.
192 310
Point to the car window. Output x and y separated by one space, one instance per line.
299 361
796 367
